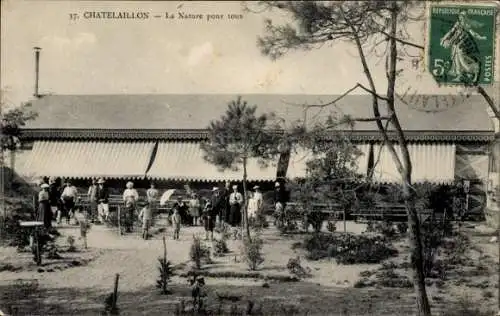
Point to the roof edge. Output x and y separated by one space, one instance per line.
201 134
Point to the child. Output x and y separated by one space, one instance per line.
176 223
208 220
146 217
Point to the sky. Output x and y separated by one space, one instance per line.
106 56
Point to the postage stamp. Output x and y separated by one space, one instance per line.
461 44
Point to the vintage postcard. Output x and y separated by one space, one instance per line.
249 158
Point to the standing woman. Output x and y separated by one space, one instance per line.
44 210
194 208
92 197
152 195
54 197
130 197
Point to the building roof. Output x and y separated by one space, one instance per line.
164 116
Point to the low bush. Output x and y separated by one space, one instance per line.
199 253
224 230
385 228
331 226
295 268
389 278
349 248
71 244
252 252
402 227
259 221
220 247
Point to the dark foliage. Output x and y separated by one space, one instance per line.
349 248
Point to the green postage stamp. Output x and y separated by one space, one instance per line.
461 44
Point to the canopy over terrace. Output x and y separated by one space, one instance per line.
184 161
89 159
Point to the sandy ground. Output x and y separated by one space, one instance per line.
136 259
136 262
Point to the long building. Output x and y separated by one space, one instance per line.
157 137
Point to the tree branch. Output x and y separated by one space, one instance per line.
401 41
375 104
372 119
391 78
489 100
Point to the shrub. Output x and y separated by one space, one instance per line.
224 230
52 251
259 221
199 252
389 278
332 226
71 243
166 271
386 229
220 247
433 233
316 219
252 252
402 228
295 268
348 248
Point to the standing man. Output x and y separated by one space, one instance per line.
225 208
152 195
102 196
235 201
280 200
54 197
92 197
212 209
68 197
44 211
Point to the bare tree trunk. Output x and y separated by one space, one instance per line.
245 199
408 193
12 154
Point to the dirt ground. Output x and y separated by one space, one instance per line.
81 289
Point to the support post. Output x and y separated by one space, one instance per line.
345 225
119 221
115 292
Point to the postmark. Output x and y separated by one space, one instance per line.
460 44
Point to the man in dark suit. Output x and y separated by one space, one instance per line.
225 206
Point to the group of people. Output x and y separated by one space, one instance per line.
225 204
56 201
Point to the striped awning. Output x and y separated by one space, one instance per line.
183 161
299 158
89 159
430 162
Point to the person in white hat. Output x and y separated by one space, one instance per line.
257 195
153 195
44 211
130 197
102 196
68 197
280 199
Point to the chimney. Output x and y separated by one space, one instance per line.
37 70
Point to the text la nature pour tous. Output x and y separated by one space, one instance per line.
142 15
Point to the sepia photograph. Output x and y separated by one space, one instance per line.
250 158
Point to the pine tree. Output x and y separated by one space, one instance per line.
166 271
